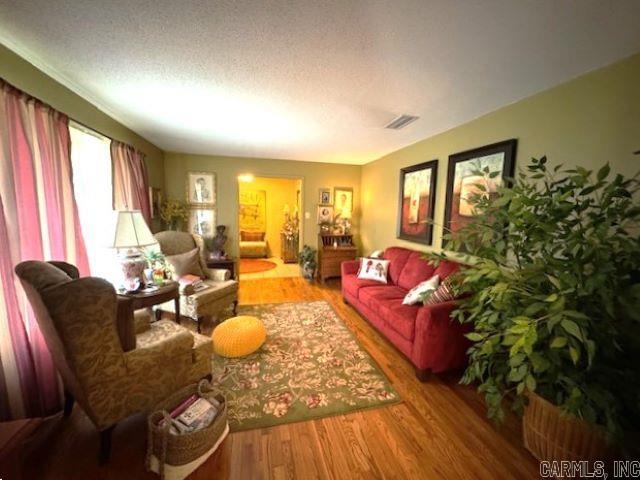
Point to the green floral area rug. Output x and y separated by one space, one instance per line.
310 366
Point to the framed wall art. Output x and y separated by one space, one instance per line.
324 196
343 201
416 202
325 214
487 166
201 188
202 221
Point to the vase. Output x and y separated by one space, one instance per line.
551 435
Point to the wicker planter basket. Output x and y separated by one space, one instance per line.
550 435
166 449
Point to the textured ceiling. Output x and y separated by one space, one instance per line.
312 80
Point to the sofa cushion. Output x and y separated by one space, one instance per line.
373 296
187 263
352 284
398 256
415 270
401 318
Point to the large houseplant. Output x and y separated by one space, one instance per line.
555 293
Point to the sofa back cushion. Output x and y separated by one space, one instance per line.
415 270
446 268
397 257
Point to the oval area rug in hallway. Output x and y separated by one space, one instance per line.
255 265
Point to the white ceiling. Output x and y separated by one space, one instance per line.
312 80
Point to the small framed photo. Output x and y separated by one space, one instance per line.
324 196
343 201
201 188
202 221
325 214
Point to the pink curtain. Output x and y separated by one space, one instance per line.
130 180
38 221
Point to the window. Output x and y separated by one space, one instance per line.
91 163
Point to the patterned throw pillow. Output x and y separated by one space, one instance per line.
252 236
419 291
373 269
186 263
444 293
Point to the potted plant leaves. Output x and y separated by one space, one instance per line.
307 262
554 297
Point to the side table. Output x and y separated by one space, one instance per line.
168 291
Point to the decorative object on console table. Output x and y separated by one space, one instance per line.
217 243
332 251
132 233
226 263
417 202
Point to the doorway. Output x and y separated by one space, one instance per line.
269 226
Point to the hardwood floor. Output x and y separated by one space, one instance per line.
438 431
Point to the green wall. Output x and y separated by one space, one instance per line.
23 75
587 121
314 176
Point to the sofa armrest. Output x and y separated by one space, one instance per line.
350 267
218 274
440 343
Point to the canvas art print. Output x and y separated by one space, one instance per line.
476 172
325 214
343 201
202 221
201 188
417 202
253 210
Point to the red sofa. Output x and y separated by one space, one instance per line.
424 333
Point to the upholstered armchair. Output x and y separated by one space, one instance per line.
111 364
222 291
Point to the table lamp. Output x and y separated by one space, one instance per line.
132 233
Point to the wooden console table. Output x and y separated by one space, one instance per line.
330 257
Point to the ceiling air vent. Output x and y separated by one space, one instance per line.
401 122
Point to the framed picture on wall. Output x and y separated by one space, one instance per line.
478 171
325 214
416 202
324 196
202 221
155 200
343 201
201 188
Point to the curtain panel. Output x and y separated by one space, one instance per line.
130 180
38 221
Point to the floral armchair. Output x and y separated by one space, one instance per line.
111 364
222 291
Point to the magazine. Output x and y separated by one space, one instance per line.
199 414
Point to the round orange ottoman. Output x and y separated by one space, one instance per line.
238 336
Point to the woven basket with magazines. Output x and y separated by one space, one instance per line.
174 456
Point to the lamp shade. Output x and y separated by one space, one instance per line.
132 231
